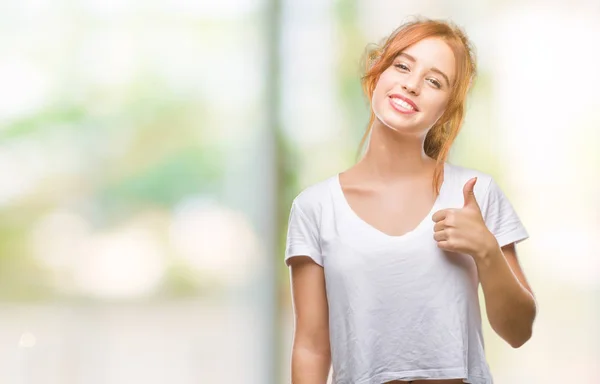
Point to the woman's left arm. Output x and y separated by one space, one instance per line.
510 303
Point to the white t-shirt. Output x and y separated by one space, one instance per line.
400 308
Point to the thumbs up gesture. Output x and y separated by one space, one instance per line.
463 230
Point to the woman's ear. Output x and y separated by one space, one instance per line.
374 57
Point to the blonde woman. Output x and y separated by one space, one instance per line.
386 257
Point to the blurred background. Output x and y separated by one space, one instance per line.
150 150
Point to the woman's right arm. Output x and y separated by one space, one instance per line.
311 356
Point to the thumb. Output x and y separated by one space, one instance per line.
468 193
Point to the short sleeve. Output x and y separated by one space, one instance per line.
302 237
500 216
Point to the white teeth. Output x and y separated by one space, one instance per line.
402 103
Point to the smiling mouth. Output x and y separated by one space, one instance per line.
401 105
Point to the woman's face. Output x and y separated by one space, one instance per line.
422 75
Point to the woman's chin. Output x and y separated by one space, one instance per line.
401 124
402 127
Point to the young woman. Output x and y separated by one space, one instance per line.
386 257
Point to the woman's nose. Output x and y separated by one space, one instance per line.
411 85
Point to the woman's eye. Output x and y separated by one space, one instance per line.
436 83
401 66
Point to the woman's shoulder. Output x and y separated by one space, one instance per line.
463 173
460 174
312 196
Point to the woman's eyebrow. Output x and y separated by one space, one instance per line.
433 69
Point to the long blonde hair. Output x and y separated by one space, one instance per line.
378 58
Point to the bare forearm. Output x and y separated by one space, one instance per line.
510 307
309 367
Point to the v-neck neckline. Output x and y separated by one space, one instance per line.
422 224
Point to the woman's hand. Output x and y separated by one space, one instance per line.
463 230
